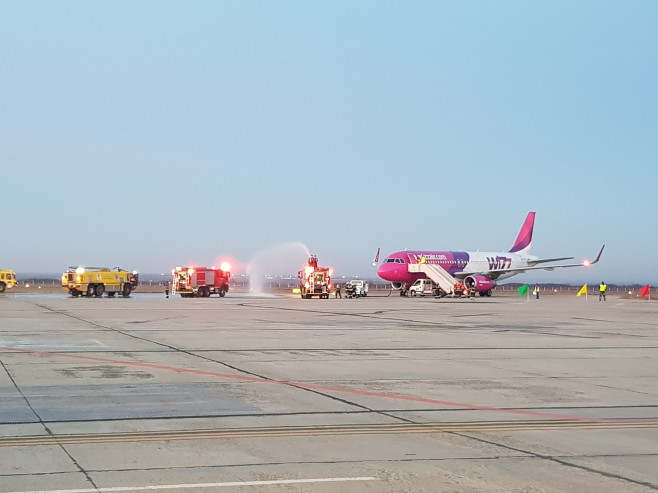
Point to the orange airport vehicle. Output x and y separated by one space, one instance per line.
95 281
200 282
314 280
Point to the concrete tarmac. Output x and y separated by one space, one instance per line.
377 394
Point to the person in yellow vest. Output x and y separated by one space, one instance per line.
602 290
536 291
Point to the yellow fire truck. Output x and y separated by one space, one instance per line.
94 281
7 279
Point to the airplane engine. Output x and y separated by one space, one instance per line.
483 284
396 285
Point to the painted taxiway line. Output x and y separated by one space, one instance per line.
203 485
319 430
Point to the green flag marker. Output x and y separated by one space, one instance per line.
523 289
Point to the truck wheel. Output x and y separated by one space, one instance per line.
3 286
206 292
75 293
127 288
100 289
222 292
90 290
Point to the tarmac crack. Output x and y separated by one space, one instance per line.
496 457
562 461
48 430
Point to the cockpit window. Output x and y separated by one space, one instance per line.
394 261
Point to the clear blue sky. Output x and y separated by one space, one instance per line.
151 134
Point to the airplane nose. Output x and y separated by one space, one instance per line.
383 271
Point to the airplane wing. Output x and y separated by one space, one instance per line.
544 260
496 273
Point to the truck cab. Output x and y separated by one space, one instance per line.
7 279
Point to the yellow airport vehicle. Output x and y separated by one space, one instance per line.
7 279
95 281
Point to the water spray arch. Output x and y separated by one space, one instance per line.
281 259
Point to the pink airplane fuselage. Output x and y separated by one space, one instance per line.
457 264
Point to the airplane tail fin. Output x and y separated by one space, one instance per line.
524 240
374 262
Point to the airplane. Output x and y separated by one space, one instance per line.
481 269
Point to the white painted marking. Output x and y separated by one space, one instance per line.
33 345
203 485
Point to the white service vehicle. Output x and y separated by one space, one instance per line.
425 287
356 288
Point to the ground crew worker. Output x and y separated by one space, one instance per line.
167 289
537 291
338 295
471 290
602 289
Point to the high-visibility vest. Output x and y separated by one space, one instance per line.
603 288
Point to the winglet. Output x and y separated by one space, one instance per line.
598 257
524 239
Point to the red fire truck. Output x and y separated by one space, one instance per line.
314 280
200 282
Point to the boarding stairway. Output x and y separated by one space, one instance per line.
437 274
